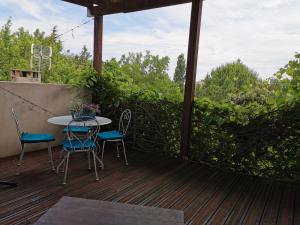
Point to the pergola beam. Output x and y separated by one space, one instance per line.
98 43
85 3
124 6
191 72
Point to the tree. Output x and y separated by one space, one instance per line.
180 71
288 78
149 74
84 56
229 81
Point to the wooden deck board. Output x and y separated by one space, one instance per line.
206 196
286 210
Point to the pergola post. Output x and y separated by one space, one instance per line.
191 72
98 43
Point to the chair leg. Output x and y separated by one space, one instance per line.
100 162
124 153
95 165
98 147
66 169
103 151
63 161
21 158
89 160
50 156
118 152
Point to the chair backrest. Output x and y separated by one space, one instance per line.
16 122
82 138
125 121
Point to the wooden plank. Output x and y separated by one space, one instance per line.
147 188
125 6
297 205
98 43
286 210
178 195
191 72
159 191
256 210
204 214
94 212
206 195
241 208
272 207
86 3
203 199
222 212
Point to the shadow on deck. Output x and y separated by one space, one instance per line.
205 195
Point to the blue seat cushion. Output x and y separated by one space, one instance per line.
111 135
77 129
36 138
75 145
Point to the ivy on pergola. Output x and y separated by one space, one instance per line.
100 8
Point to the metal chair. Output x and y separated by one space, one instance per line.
77 130
117 135
78 142
31 138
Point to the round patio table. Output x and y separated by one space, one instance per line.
65 120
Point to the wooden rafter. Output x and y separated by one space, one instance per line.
106 7
125 6
90 3
85 3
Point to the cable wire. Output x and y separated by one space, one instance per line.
74 28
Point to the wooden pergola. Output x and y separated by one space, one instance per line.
100 8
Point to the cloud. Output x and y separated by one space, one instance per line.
263 34
33 8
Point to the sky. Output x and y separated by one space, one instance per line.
264 34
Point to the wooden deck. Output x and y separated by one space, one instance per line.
205 195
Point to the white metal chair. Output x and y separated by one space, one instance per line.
82 143
117 135
31 138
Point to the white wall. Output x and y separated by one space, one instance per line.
33 104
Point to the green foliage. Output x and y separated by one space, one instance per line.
66 68
180 71
149 74
14 49
256 140
245 133
232 81
132 74
135 75
286 82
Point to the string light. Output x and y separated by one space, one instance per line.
74 28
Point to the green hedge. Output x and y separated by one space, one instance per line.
257 140
252 140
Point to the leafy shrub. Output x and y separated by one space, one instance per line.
254 139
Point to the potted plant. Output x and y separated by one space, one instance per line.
79 110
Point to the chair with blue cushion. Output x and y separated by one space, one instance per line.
31 138
80 142
77 130
117 136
